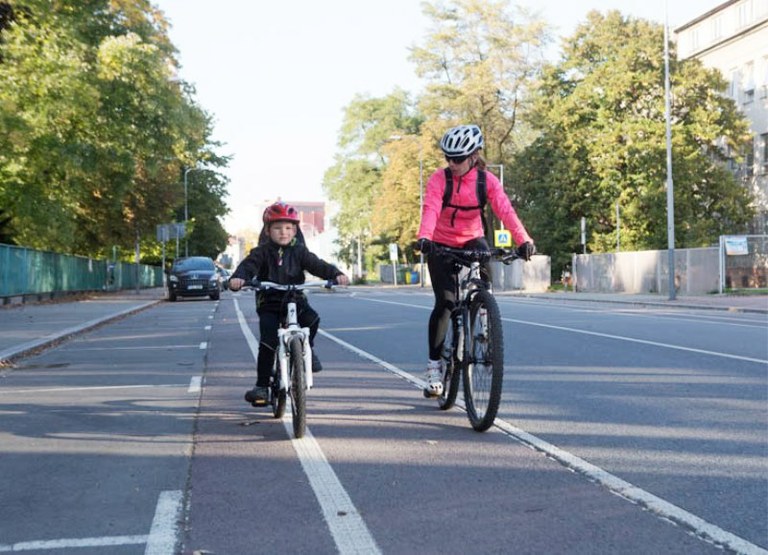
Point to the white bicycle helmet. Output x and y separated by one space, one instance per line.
462 140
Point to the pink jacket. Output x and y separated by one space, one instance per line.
467 224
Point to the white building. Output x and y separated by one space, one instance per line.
733 37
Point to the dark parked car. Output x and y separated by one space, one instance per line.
193 276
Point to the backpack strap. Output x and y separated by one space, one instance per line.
482 198
448 191
481 193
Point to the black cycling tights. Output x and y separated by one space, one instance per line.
441 271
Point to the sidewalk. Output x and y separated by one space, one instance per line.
733 303
25 328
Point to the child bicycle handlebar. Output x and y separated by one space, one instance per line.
257 285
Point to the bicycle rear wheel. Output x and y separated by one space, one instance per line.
452 358
298 390
484 367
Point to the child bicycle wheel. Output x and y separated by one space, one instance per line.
484 366
298 388
278 396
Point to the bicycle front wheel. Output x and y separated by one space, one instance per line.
484 367
452 358
298 390
278 392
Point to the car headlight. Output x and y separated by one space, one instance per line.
173 278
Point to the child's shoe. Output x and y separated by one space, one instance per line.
258 396
316 366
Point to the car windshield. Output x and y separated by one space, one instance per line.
194 263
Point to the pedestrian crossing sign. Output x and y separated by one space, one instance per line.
502 238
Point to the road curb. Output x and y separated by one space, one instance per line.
8 356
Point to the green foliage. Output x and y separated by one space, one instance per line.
477 61
95 128
600 112
354 182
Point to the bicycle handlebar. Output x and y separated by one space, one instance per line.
327 284
467 256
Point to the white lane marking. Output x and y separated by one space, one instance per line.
344 521
664 509
598 334
90 388
203 345
74 542
253 344
208 328
142 348
195 384
347 526
163 534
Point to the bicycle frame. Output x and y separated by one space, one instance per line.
290 329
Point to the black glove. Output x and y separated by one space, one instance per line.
423 245
526 250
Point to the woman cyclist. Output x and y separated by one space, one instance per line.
458 223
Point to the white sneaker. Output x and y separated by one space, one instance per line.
434 378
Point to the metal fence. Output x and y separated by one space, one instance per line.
696 272
25 271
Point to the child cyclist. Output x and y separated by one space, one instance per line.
281 257
459 224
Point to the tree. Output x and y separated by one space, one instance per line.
479 61
95 125
600 112
354 182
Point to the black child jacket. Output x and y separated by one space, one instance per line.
284 265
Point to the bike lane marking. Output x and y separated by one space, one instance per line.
345 523
161 539
597 334
701 528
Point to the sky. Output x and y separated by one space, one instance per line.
276 76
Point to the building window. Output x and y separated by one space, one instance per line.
749 161
764 149
717 27
745 13
749 83
733 85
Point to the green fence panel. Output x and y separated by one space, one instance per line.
25 271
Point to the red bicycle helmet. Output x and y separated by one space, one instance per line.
281 212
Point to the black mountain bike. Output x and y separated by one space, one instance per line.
474 342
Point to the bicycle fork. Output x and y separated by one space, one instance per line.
285 335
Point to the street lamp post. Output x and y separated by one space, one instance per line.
421 209
421 194
186 210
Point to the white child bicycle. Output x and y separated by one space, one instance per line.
292 372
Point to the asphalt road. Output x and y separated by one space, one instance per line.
623 430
